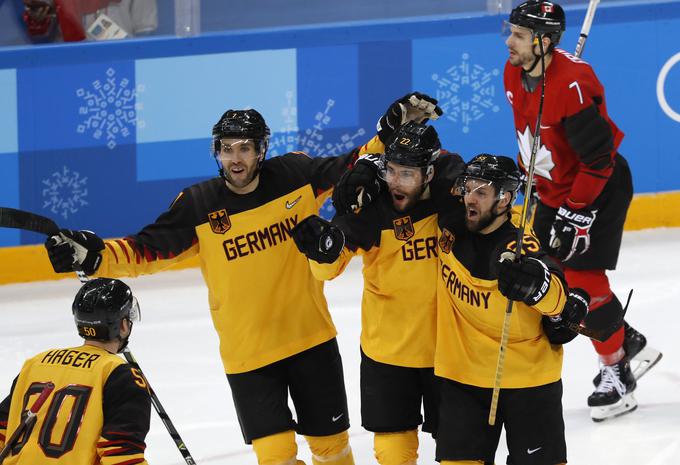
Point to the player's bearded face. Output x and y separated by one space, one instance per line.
405 184
520 46
480 202
239 160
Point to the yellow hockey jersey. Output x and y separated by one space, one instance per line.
470 313
399 252
98 412
264 301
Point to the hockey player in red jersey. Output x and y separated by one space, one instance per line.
584 187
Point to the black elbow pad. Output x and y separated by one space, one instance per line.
590 135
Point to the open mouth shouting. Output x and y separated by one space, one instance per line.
399 199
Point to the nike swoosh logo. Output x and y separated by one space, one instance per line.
337 418
531 451
290 205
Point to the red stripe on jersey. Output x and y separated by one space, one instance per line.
122 442
149 256
131 462
117 451
124 247
113 251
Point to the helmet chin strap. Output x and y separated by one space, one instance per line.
537 57
124 341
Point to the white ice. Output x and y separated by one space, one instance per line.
177 348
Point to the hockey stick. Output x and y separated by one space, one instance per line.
580 45
585 29
20 219
28 418
161 412
505 333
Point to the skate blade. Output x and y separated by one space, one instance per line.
644 360
625 405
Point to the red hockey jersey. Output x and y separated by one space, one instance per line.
571 86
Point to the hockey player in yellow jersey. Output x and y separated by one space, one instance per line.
476 276
276 335
99 410
396 237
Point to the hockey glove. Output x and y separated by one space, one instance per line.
570 232
75 247
318 239
526 280
574 311
359 186
411 107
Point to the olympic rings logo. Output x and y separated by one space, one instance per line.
660 84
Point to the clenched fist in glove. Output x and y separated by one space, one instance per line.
574 311
359 186
526 280
69 248
570 232
319 239
411 107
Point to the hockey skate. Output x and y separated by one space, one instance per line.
641 356
613 396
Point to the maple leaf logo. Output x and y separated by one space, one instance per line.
544 161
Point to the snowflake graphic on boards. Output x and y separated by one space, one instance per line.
312 140
64 192
108 108
466 92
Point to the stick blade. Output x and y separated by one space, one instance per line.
19 219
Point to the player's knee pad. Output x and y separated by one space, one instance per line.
396 448
331 450
606 315
277 449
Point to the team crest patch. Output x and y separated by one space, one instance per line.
446 240
403 228
219 221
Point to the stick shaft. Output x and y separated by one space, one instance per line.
585 29
28 418
165 418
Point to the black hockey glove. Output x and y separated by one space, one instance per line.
358 186
526 280
570 232
574 311
71 247
411 107
319 239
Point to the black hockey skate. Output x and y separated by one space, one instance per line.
641 357
614 394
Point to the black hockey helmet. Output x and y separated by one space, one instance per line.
100 305
500 171
413 144
241 124
542 17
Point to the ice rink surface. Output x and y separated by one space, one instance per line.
178 349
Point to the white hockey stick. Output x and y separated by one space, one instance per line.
585 29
